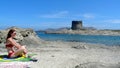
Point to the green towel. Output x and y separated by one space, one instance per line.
4 58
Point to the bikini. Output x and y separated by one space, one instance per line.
10 53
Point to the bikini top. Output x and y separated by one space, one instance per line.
9 45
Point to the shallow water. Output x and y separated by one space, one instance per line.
96 39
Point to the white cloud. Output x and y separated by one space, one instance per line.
60 14
84 16
88 16
66 14
113 21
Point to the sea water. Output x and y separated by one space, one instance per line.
96 39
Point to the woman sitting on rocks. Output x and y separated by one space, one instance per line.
14 49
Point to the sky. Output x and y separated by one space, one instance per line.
43 14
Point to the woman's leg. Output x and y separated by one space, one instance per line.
25 50
18 52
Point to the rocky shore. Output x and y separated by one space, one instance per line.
78 28
23 36
57 54
84 31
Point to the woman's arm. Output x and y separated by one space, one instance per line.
14 43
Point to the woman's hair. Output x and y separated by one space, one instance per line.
10 32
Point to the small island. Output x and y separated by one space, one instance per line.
78 28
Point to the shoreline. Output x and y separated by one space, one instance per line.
61 54
57 54
84 32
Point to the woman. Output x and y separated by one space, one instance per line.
14 49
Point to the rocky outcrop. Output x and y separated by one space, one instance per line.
23 36
78 28
86 32
3 34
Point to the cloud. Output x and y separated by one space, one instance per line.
88 16
66 14
60 14
83 16
117 21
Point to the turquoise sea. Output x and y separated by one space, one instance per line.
96 39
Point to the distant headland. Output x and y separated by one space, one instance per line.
78 28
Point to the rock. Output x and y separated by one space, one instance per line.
80 47
52 56
3 36
77 28
23 36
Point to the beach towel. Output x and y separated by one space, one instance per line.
4 58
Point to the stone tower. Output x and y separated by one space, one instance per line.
76 25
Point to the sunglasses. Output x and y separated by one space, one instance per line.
14 33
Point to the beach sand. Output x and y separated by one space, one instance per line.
59 54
